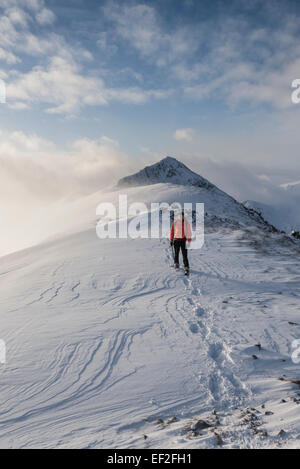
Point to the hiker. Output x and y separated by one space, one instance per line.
180 234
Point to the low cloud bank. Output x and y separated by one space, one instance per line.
42 186
38 178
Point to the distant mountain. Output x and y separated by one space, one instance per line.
170 181
107 346
167 181
167 170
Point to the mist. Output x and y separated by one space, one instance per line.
42 185
39 183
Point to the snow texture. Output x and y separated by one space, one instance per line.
108 347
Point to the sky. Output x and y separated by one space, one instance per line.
98 89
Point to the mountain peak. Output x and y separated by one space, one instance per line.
167 170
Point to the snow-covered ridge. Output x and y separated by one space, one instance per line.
107 347
167 170
265 210
169 180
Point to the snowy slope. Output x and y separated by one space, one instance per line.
171 181
71 216
107 346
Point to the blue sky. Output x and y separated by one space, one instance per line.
98 88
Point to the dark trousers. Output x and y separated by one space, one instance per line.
180 244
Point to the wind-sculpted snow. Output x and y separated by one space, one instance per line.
107 346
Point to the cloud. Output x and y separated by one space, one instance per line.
60 82
63 85
60 85
51 172
16 36
136 24
280 202
8 57
104 43
139 25
45 16
268 87
17 16
184 135
247 63
39 181
30 4
237 179
229 56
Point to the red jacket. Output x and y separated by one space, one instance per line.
180 230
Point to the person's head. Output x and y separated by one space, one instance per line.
180 216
